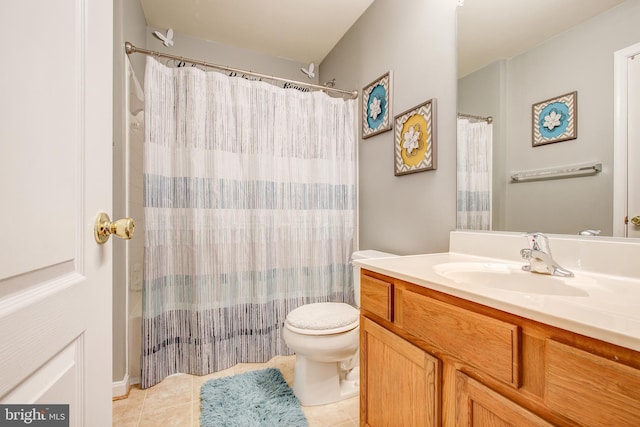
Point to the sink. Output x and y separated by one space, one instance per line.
509 277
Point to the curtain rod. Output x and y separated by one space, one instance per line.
488 119
130 48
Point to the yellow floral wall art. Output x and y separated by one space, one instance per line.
415 139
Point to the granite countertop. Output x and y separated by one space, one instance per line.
601 306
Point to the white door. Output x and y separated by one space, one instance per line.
626 170
55 176
633 147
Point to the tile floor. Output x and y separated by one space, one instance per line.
176 401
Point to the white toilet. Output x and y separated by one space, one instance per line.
325 337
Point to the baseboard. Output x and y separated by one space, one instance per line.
134 380
120 388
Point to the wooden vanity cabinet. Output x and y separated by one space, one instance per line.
430 359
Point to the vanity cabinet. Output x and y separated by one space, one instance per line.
429 359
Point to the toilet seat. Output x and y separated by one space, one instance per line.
322 318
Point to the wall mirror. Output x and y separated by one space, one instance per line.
512 55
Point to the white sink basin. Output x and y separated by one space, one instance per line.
509 277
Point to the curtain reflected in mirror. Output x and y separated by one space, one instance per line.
475 140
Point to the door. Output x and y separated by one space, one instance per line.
55 176
633 146
626 189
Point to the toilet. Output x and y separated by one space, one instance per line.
325 337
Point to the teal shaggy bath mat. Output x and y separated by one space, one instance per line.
253 399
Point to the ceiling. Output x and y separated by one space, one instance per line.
307 30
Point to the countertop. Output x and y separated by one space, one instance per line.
605 307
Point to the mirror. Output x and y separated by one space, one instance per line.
513 55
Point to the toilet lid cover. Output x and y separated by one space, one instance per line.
323 318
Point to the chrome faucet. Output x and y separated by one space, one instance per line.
589 232
539 256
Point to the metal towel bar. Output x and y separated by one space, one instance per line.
554 173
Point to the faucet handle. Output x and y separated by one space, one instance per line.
538 241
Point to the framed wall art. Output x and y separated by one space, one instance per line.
415 139
376 106
555 119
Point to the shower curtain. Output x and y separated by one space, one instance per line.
249 208
474 175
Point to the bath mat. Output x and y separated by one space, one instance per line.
253 399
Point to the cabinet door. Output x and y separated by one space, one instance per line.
479 406
590 389
400 383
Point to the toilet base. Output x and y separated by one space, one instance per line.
321 383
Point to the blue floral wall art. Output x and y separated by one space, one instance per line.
376 106
555 119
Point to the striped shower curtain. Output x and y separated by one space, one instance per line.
249 201
474 182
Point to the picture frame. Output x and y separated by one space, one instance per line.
376 106
555 119
415 139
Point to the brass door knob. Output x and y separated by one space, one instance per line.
636 220
104 228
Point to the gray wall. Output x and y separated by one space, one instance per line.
216 53
582 60
408 214
416 40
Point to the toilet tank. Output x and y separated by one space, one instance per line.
367 254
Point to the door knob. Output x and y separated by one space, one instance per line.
104 228
636 220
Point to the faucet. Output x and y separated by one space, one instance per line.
539 256
589 232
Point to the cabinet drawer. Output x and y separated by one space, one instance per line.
376 296
480 341
590 389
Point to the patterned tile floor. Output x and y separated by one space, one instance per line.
176 401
